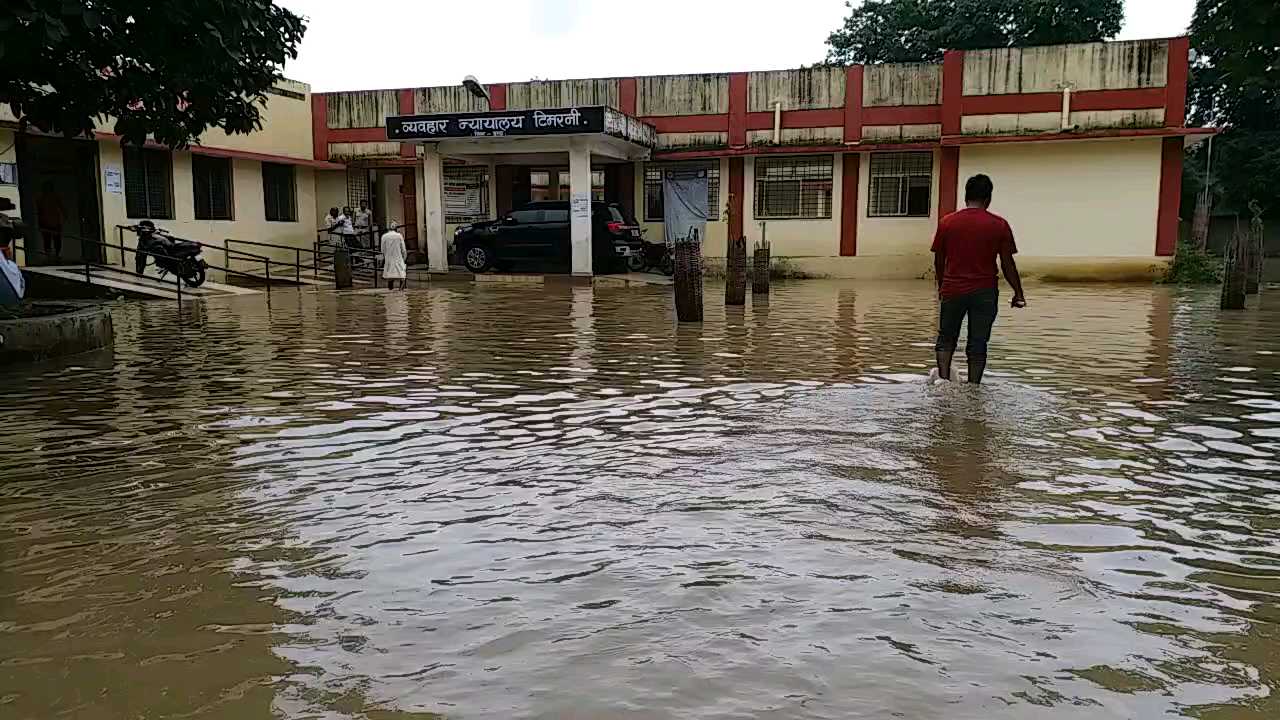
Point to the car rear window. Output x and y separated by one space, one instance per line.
616 215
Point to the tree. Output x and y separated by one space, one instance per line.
880 31
1235 84
159 67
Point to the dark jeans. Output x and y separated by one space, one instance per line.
981 307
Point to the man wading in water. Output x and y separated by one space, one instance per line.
964 259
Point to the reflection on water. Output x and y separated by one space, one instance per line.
510 502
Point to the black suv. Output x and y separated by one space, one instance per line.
538 234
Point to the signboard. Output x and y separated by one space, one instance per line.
521 123
113 179
462 200
8 173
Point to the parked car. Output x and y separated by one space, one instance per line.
538 234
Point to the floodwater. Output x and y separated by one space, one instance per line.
511 502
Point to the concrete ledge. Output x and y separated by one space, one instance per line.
62 330
920 266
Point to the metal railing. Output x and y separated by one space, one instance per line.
227 271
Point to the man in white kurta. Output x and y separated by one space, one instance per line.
393 258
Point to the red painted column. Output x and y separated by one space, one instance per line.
952 91
737 110
1175 88
498 96
849 205
627 95
405 102
948 180
853 104
320 126
1170 196
737 191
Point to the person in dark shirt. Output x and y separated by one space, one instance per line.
964 258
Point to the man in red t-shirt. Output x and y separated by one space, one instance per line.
964 258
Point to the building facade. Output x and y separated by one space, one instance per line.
845 170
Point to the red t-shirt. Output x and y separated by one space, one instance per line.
971 239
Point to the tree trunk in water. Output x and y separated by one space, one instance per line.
760 277
688 280
1235 271
1256 257
1200 225
735 268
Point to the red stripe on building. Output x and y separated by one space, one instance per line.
737 109
498 96
320 127
948 180
689 123
358 135
1170 196
407 150
952 91
849 177
627 95
1175 101
1083 135
833 117
737 191
1085 100
902 115
853 103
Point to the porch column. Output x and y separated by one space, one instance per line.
580 206
433 218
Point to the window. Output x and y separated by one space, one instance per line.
466 194
211 184
653 211
793 187
597 185
148 183
555 215
526 217
901 184
279 193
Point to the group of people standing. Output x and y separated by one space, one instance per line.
356 231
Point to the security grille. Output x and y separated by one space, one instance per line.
148 183
793 187
901 184
466 194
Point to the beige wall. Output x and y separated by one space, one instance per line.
1084 66
883 236
286 126
249 221
1074 199
794 238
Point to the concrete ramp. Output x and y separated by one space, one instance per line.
122 282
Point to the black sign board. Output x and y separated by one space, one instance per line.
558 121
522 123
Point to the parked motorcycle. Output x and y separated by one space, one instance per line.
170 254
655 256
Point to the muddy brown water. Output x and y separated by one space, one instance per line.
510 502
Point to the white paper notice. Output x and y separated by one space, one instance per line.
113 179
581 205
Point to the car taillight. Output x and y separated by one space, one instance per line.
614 226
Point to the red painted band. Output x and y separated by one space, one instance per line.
902 115
952 91
407 150
1175 102
948 181
689 123
627 95
358 135
498 96
320 126
853 111
737 109
737 189
832 117
1085 100
849 177
1170 196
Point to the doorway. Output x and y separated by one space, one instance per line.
58 182
553 184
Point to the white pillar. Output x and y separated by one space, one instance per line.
580 206
493 188
433 202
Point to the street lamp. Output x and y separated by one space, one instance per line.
474 87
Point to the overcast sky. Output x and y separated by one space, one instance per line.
369 44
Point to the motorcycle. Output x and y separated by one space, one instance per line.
656 256
171 255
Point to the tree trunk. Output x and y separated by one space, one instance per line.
1235 271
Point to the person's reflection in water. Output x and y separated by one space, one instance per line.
963 436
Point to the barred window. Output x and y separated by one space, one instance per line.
148 183
901 184
653 210
793 187
279 193
211 185
466 193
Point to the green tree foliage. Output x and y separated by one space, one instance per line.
1235 84
880 31
166 68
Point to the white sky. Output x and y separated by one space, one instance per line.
367 44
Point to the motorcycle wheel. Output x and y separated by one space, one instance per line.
636 263
196 277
